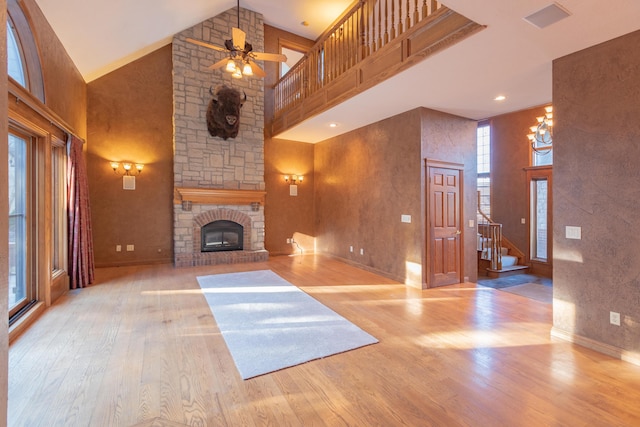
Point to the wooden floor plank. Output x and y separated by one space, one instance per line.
141 347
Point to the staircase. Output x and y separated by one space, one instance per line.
497 256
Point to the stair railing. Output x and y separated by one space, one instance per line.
490 235
366 27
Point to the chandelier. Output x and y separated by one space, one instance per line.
541 136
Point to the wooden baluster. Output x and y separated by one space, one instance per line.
370 25
379 24
416 15
400 30
425 9
363 50
393 19
434 6
407 22
340 50
332 58
386 21
348 54
354 39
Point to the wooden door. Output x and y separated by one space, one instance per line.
444 226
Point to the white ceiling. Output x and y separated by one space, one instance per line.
510 57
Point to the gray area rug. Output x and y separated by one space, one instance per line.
528 285
269 324
534 291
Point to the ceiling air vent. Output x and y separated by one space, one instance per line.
547 15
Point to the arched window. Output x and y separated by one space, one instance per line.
15 62
23 58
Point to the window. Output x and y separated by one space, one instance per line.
542 158
540 218
484 171
22 291
23 62
15 63
539 215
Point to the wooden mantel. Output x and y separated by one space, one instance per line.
218 196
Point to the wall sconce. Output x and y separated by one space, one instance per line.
541 136
292 180
129 172
127 168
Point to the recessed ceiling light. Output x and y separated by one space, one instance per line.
304 23
500 98
333 125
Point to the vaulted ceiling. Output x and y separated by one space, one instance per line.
511 57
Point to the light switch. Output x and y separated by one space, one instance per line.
573 232
471 223
405 218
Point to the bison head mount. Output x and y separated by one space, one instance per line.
223 113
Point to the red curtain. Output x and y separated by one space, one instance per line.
81 265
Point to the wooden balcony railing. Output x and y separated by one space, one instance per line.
371 41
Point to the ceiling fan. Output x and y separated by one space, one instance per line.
240 59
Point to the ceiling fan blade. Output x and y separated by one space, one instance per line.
257 71
204 44
219 64
261 56
238 36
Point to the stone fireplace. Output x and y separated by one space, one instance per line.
216 179
195 208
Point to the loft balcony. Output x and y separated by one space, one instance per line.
371 42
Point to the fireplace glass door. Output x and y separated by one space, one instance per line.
222 236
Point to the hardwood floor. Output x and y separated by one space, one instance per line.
140 347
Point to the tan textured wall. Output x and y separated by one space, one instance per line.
130 118
510 154
4 223
453 139
365 180
65 89
596 179
289 216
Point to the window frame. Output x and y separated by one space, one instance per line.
30 52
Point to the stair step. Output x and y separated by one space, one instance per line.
509 261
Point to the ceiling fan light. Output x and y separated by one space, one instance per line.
231 66
247 70
237 74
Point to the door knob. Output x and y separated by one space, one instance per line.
458 232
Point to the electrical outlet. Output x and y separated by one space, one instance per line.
130 248
351 249
288 240
118 248
361 251
614 318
